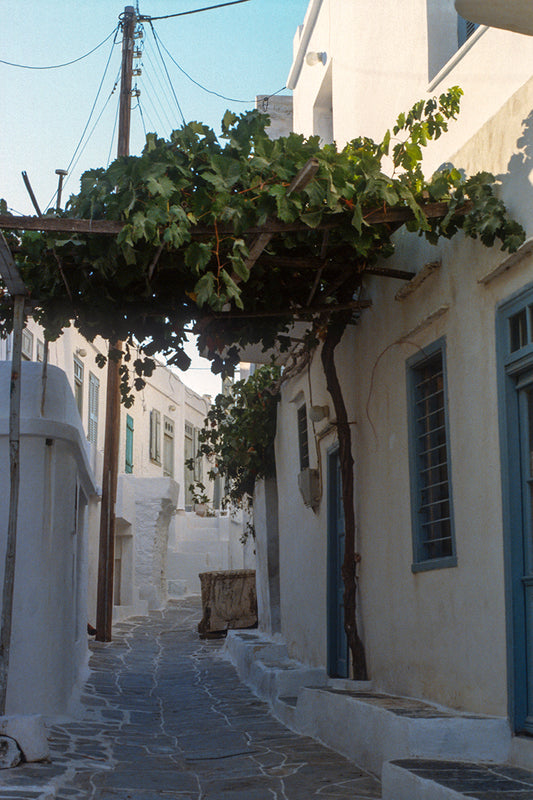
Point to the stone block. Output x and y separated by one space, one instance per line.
10 753
29 733
229 600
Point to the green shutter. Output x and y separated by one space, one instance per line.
129 444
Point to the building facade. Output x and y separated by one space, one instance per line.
437 376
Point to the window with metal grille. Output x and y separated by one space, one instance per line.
433 537
303 441
155 436
94 393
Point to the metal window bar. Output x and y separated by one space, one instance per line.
440 446
435 528
433 431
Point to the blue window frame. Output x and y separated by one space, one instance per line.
515 385
431 492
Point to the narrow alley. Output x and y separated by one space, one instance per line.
165 716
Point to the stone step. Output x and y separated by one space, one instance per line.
368 727
427 779
372 728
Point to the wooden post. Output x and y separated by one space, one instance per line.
106 556
14 465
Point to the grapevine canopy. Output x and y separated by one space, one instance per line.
194 247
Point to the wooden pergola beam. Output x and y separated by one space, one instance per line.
334 263
376 216
15 286
299 182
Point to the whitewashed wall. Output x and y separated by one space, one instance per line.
49 651
440 634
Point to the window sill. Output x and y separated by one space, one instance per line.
435 563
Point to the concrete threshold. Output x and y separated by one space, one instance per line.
421 750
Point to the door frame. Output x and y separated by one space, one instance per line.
510 367
335 625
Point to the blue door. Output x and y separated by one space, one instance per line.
337 641
524 576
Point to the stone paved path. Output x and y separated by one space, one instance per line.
164 716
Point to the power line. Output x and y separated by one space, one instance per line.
67 63
142 115
91 114
196 10
166 71
204 88
113 134
86 142
157 72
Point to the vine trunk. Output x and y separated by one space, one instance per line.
336 327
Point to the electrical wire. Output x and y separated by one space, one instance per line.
168 76
196 10
90 114
204 88
67 63
113 135
156 73
141 115
111 93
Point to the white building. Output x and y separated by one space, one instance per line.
444 598
154 520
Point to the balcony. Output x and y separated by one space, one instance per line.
512 15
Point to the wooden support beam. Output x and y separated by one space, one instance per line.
376 216
9 271
315 263
60 225
299 182
331 308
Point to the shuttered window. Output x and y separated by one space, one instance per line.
129 445
78 384
155 436
94 393
168 447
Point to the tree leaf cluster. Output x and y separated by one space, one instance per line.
238 434
188 205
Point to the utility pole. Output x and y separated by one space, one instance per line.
106 556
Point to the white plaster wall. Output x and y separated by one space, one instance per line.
155 504
205 544
441 634
302 532
49 640
383 58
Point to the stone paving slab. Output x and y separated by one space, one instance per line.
474 781
164 716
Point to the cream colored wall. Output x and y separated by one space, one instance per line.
383 62
439 634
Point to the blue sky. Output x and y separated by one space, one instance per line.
239 51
